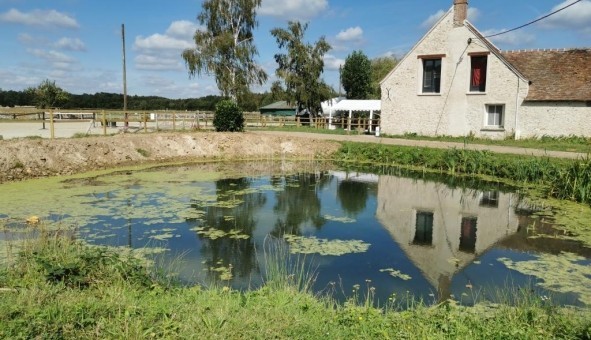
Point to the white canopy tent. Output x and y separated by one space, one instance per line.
350 105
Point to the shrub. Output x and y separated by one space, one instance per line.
228 117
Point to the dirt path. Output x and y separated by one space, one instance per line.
429 144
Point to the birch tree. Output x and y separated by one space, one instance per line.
224 47
301 67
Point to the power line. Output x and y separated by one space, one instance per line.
533 22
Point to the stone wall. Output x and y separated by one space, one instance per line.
454 111
539 119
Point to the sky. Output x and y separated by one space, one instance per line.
77 43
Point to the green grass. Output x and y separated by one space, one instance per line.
565 143
59 288
307 129
559 178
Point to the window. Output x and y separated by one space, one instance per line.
431 75
424 229
490 199
494 115
478 74
468 234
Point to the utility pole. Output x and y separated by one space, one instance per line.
340 79
124 79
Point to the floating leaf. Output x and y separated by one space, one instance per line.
313 245
396 273
564 273
339 219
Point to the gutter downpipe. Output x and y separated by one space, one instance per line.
517 132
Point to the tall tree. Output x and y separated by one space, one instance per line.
380 67
225 47
356 76
48 95
301 67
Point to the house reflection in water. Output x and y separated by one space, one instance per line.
443 230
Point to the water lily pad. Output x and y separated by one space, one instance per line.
342 219
564 273
313 245
396 273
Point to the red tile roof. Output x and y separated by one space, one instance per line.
555 75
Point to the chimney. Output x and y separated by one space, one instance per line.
460 12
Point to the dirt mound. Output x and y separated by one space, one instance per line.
29 158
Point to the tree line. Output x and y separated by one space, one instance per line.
225 49
40 97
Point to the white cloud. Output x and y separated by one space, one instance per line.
432 19
158 63
293 9
576 17
26 38
350 34
51 55
162 52
182 29
332 63
161 42
15 80
57 60
39 17
473 14
70 44
515 38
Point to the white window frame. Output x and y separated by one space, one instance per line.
501 116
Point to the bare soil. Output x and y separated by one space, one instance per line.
31 158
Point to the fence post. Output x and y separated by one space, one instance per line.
51 127
145 122
104 122
173 122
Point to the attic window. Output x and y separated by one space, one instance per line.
478 74
431 75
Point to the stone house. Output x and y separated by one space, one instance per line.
455 82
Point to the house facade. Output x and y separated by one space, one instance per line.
456 82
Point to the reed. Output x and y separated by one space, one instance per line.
560 178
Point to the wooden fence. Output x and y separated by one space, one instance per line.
184 120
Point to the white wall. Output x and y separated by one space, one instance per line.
555 119
454 111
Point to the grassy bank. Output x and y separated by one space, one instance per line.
559 178
59 288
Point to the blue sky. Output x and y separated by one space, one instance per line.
77 43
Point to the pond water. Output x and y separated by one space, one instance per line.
391 235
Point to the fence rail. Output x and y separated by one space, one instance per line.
184 120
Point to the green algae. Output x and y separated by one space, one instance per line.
342 219
224 272
313 245
213 234
563 273
143 195
396 273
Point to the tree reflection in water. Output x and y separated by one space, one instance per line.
299 203
226 251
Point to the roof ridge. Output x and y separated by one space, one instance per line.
548 50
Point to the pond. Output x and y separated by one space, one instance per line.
396 236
